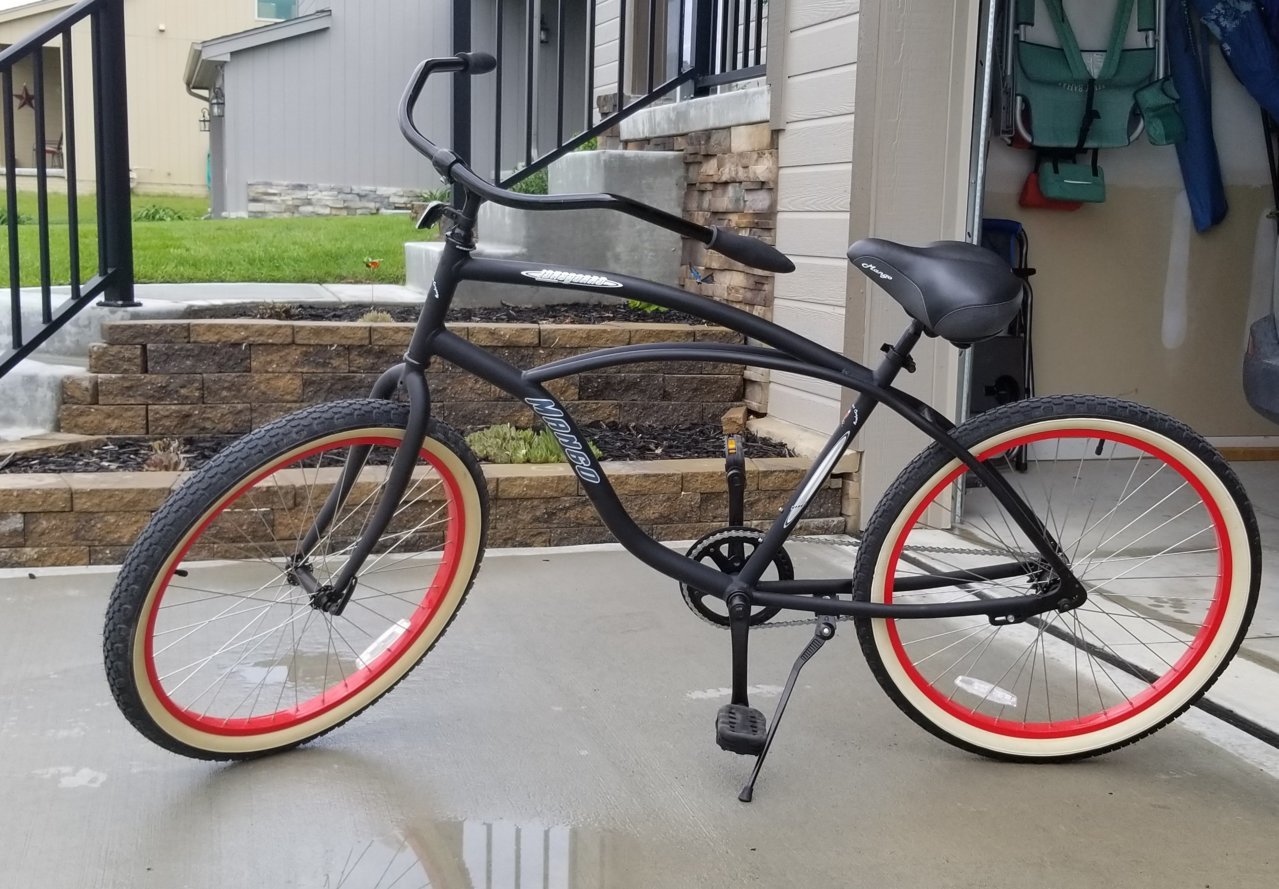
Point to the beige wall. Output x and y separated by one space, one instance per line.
167 149
912 153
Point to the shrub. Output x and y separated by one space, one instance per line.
641 306
535 183
376 316
166 456
506 444
275 311
158 213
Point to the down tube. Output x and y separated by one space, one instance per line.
595 483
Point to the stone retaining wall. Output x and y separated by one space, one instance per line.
227 377
92 518
731 182
276 199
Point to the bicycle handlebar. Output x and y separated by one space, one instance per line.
742 248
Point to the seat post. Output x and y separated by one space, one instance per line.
898 356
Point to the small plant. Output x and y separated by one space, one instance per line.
372 265
376 316
275 311
591 144
158 213
506 444
534 183
442 195
167 456
22 220
640 306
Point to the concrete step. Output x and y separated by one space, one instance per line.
422 258
583 240
31 393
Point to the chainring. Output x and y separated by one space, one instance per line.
728 550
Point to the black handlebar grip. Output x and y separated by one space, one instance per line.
477 62
749 251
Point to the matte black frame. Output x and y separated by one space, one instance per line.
787 352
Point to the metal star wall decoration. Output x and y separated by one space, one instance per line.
26 98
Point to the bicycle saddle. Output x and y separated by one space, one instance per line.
958 291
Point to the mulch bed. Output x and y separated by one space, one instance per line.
617 441
566 313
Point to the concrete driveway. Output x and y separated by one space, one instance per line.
562 736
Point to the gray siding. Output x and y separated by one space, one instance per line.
321 108
813 193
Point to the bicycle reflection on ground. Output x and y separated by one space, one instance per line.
478 855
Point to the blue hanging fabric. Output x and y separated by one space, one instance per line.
1270 11
1200 163
1244 30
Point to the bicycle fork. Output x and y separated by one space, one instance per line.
333 596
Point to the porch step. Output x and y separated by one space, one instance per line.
31 393
583 240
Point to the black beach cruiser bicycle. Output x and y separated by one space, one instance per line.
1100 576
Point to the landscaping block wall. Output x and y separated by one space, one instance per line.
226 377
93 518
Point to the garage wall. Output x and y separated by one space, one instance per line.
1130 301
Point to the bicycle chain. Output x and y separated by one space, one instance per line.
846 542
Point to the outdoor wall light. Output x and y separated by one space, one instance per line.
217 102
544 33
204 120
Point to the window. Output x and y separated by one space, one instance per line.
277 9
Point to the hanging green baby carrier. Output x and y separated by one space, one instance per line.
1078 101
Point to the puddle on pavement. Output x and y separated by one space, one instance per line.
479 855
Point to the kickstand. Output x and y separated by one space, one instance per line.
825 630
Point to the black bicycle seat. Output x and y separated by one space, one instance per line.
958 291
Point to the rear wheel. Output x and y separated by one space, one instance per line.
1150 518
215 650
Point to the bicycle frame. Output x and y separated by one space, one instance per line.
787 352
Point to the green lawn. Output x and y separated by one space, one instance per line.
324 250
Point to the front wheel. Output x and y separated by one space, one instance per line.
1149 517
213 647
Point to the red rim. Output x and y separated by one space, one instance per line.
339 693
1194 653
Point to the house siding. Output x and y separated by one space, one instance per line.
167 150
607 30
816 95
352 73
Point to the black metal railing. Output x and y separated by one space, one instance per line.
731 41
567 74
113 281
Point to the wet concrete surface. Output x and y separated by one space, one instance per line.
561 735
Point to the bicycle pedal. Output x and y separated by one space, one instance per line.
741 729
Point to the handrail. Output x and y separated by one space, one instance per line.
114 280
55 27
554 56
